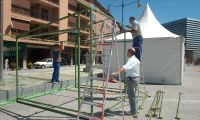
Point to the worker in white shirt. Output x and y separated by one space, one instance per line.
132 70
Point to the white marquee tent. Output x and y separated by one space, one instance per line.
163 51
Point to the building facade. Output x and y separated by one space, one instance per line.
24 16
190 30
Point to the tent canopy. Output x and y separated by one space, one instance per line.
150 27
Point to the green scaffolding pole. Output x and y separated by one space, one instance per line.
77 47
17 65
78 52
42 105
50 33
91 52
75 59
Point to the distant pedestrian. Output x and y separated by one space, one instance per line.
83 56
137 36
56 55
132 69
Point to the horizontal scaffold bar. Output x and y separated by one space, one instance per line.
49 105
7 35
51 33
46 25
90 6
51 108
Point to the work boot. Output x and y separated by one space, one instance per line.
135 115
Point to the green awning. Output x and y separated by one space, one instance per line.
9 49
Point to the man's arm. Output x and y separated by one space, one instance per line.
133 28
121 70
61 46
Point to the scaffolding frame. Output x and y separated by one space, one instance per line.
27 100
58 109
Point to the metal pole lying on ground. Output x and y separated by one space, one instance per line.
150 109
156 108
162 95
141 105
155 105
177 111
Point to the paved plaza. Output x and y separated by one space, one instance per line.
189 105
30 77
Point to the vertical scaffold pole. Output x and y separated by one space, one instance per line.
78 58
125 87
17 65
75 59
91 52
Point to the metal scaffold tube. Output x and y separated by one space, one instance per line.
1 43
51 33
91 52
178 107
26 100
47 25
17 65
78 60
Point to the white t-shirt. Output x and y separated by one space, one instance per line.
135 25
132 67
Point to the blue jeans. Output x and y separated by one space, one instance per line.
137 44
56 72
132 86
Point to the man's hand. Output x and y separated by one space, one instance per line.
61 43
112 75
128 26
62 46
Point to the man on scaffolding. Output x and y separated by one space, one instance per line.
132 69
137 36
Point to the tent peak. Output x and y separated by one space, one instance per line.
151 27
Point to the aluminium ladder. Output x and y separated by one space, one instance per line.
104 79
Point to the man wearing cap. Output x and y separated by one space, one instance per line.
137 36
132 69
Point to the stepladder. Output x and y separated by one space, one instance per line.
94 97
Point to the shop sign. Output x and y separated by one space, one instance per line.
9 48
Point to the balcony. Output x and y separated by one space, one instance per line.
49 3
73 42
72 8
54 1
84 2
41 17
84 15
84 18
20 10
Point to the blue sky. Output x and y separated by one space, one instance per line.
164 10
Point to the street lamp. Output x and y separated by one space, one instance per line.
139 5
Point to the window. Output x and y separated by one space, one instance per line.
50 60
72 37
44 14
17 31
20 10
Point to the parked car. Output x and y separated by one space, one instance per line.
45 63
